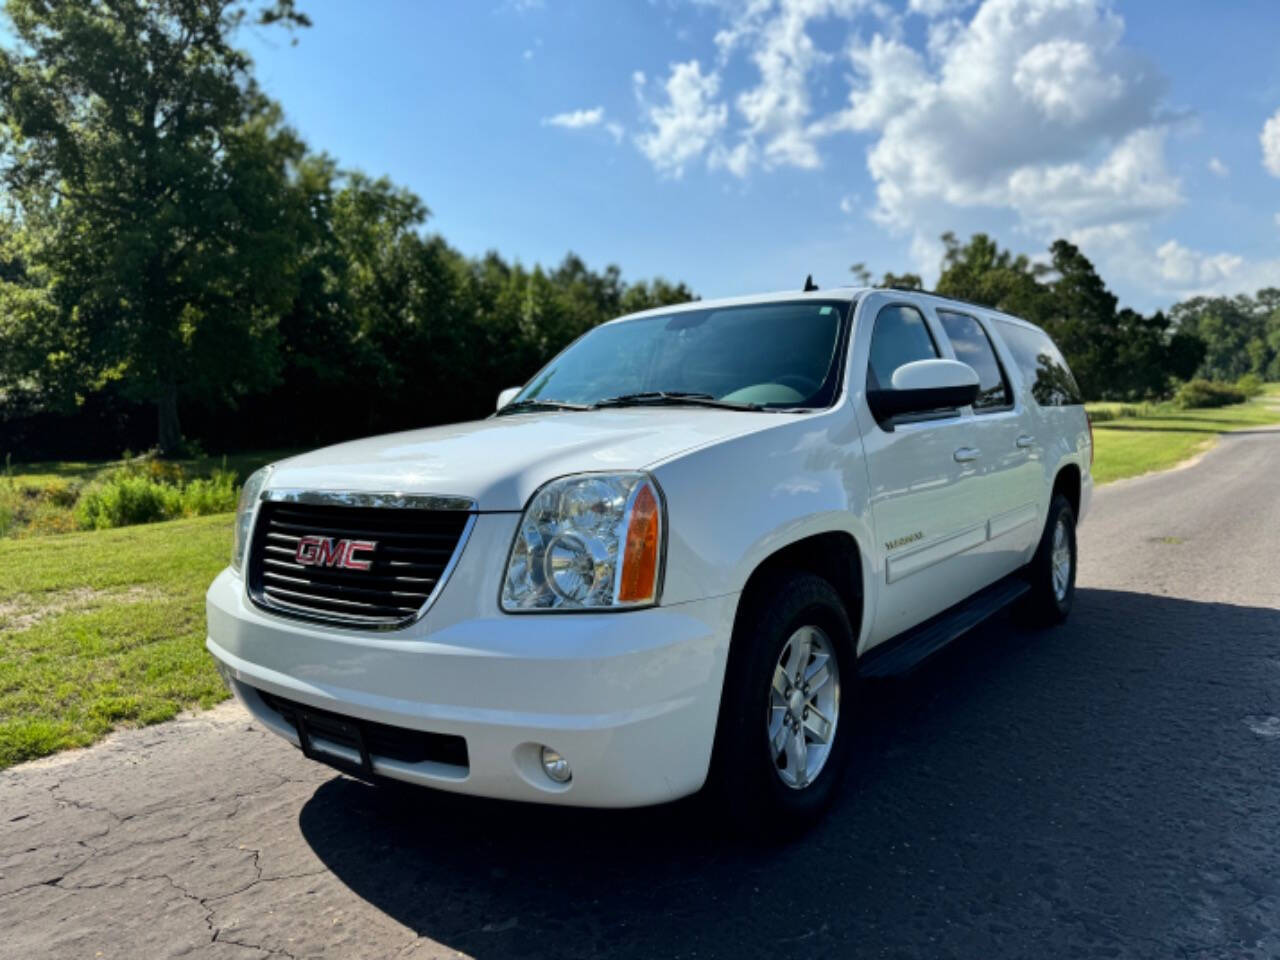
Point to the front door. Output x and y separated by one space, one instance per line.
924 476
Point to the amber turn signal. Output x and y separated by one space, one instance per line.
639 580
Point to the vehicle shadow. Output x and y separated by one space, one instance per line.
1095 789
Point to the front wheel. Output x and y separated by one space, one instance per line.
1052 571
783 741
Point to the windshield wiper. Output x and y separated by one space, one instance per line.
524 406
678 398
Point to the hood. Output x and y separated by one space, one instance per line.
501 461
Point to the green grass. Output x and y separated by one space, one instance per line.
1161 436
103 629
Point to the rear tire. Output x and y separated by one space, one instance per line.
1052 571
785 732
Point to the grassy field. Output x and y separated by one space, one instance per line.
1161 436
104 628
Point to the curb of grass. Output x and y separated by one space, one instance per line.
1210 444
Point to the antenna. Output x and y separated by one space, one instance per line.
809 285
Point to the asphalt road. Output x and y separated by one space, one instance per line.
1110 788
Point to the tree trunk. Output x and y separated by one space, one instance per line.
170 429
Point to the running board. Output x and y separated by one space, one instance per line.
903 653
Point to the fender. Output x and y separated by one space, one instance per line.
735 503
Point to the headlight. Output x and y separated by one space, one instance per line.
592 541
249 494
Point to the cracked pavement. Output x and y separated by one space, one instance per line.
1105 789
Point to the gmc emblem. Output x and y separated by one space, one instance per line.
316 551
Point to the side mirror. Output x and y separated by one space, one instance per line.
507 395
925 385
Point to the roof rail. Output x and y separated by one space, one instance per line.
947 296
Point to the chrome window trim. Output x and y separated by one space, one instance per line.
348 498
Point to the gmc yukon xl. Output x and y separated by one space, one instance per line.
667 563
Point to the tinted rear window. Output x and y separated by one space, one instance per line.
1052 384
971 345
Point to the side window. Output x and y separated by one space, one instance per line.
1052 384
900 336
973 347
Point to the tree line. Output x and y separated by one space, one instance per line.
177 266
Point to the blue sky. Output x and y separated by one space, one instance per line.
741 144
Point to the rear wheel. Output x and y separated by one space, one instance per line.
1052 571
783 741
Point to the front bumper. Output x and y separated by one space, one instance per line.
629 699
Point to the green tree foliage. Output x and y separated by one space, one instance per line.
1241 334
890 280
167 241
150 179
1116 354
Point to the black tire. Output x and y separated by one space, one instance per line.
745 790
1046 604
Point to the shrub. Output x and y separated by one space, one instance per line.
217 494
47 517
136 493
1101 415
122 498
1199 393
8 508
1251 385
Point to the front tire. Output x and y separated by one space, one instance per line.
1052 571
783 742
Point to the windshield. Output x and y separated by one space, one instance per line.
766 354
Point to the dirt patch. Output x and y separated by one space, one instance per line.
27 609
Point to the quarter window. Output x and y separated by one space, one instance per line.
900 336
1040 362
972 346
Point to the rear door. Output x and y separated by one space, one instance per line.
1010 460
924 475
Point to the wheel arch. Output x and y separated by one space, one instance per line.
836 556
1068 482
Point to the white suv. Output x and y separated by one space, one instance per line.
666 562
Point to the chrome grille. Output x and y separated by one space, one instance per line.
413 551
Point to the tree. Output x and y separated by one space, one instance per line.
981 272
1115 354
151 180
1241 334
890 281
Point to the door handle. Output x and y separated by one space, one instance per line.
965 454
1025 441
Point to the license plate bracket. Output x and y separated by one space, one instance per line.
346 735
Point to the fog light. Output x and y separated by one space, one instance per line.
555 766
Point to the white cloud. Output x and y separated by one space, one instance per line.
1027 115
848 203
576 119
1133 256
681 129
1131 183
1033 107
777 128
937 8
1271 144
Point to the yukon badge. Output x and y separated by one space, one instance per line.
316 551
903 541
